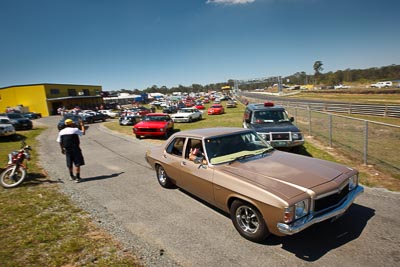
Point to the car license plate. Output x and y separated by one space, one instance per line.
280 143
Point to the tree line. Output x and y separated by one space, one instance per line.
361 76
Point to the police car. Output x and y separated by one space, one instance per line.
273 124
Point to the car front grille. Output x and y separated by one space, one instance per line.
330 201
148 130
278 137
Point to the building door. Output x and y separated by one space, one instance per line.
55 106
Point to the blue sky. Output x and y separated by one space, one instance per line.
135 44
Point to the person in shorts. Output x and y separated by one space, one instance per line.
68 138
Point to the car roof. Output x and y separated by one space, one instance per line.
211 132
156 114
12 114
263 107
5 118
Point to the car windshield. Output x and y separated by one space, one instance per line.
15 116
270 116
156 118
185 111
228 148
5 121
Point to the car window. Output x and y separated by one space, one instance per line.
270 116
225 148
14 116
176 146
193 144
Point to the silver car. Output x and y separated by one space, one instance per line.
6 127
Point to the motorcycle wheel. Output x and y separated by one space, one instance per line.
7 181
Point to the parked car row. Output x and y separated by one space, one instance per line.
18 121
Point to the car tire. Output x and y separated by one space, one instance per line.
248 221
190 119
163 178
138 136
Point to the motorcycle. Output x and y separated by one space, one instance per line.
16 171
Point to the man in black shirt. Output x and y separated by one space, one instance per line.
69 143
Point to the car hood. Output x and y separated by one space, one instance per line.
20 119
286 173
182 114
151 124
3 125
275 127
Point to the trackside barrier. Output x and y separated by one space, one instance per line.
367 142
347 108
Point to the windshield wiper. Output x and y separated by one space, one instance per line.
267 150
242 157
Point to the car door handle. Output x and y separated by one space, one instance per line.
183 163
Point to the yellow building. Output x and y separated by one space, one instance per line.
47 98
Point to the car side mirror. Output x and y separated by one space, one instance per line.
200 161
291 119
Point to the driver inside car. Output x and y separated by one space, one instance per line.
196 155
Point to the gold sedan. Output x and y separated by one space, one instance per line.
264 190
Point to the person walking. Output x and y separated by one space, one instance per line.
68 138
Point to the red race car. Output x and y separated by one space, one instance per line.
154 125
216 109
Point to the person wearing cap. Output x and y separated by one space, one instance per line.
68 138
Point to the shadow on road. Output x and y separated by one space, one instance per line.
319 239
101 177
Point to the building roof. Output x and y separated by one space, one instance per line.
21 85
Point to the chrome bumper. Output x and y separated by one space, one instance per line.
303 223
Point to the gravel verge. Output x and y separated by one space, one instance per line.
149 254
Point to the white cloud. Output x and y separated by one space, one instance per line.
230 2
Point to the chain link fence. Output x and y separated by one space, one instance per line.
367 142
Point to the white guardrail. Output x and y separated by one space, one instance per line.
348 108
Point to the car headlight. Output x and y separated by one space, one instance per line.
161 129
353 182
262 135
298 210
296 135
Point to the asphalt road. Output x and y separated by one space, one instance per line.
119 185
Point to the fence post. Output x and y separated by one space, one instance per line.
309 122
330 130
366 143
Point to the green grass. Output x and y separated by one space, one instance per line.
350 157
39 226
353 97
